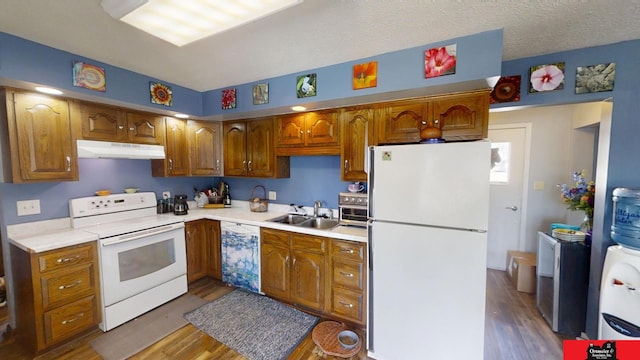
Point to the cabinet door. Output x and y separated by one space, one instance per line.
400 122
275 271
145 128
43 146
322 128
196 246
101 122
308 279
357 136
214 263
290 129
177 155
205 148
260 148
235 148
275 263
463 116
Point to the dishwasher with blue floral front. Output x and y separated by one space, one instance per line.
241 255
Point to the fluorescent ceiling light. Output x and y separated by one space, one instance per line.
184 21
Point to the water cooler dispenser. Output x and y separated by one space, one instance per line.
620 287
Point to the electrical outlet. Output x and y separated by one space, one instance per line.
28 207
166 194
272 195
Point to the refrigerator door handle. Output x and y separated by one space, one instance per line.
370 300
371 182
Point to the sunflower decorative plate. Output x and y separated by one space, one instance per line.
89 76
160 94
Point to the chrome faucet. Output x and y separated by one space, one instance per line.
316 206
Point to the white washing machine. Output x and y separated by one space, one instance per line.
620 295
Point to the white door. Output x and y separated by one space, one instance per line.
509 153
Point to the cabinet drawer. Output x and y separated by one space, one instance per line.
275 237
61 259
63 286
348 304
348 275
308 243
347 250
60 323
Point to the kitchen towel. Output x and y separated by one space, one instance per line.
136 335
256 326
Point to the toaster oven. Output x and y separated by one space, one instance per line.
353 209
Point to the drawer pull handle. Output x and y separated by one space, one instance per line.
69 321
346 274
69 259
73 284
348 251
346 304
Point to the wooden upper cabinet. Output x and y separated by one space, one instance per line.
102 122
235 148
357 129
312 133
145 128
463 116
249 150
205 148
260 148
111 123
400 121
41 138
291 129
176 161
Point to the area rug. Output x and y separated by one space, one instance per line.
136 335
256 326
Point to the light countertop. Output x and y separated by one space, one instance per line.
47 235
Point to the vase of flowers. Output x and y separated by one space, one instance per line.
580 197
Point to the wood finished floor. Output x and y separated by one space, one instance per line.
514 331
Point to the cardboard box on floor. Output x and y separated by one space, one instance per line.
521 268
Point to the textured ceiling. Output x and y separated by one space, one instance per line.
318 33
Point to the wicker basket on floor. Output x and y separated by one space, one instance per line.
258 204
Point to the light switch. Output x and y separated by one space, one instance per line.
272 195
538 185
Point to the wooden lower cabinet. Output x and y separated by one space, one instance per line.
348 280
293 268
320 274
57 294
203 249
214 263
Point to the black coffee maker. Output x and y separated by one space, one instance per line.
180 206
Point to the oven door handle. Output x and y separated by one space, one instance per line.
140 234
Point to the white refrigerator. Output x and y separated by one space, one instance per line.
428 218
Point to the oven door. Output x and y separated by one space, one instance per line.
133 263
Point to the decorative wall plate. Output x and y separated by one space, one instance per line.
160 94
89 76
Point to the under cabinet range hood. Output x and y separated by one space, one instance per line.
115 150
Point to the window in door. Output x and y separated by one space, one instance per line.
500 162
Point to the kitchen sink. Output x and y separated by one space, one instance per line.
290 219
319 223
306 221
